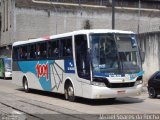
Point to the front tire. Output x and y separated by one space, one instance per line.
25 85
152 92
69 93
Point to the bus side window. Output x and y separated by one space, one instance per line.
53 49
38 51
22 52
44 50
15 53
41 50
66 47
32 49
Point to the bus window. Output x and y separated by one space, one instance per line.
32 49
82 61
41 50
15 53
66 47
53 49
22 52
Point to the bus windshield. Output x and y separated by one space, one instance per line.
128 53
114 54
7 63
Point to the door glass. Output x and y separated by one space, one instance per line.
82 60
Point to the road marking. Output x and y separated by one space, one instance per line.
17 112
18 115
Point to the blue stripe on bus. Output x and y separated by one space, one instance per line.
38 68
118 75
30 66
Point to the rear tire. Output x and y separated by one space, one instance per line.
25 85
69 93
152 92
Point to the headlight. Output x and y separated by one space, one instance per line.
101 84
138 82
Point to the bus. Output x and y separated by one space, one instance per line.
5 67
93 64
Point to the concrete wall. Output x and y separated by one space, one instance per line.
24 20
150 44
7 26
32 23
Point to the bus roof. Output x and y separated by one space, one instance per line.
70 34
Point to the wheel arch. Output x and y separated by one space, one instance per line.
67 81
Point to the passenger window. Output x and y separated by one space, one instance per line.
66 47
53 49
32 53
15 53
41 50
22 52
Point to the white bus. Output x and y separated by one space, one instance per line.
92 64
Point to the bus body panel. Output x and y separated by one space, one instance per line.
50 74
31 78
96 92
8 74
53 82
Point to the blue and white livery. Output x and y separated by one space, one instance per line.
92 64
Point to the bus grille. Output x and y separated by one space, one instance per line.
120 85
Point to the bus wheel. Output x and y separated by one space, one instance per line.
25 85
69 93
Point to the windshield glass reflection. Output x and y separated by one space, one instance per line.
104 54
114 54
128 53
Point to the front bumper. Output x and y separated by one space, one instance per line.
104 92
8 74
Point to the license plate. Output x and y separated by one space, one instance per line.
121 92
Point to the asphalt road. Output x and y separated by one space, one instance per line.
16 104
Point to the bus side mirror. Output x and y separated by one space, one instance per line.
143 56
